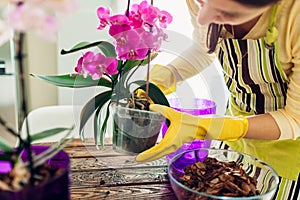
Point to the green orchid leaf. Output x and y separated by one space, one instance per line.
99 130
130 64
120 63
104 126
107 48
4 146
96 126
52 150
155 93
73 81
120 92
48 133
76 47
90 107
9 157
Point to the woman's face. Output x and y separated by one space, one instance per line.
227 12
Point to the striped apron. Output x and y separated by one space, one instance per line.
258 84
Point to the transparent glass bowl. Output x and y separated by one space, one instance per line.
267 178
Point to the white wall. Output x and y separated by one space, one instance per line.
8 92
81 26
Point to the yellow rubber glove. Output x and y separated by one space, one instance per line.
185 128
163 78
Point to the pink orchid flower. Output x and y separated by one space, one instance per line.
119 19
103 15
20 17
117 29
38 15
149 14
152 40
136 32
135 17
96 65
164 19
129 46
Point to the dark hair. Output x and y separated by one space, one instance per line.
214 30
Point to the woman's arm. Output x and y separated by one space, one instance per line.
262 127
192 54
287 119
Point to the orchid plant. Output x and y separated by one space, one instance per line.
137 37
20 17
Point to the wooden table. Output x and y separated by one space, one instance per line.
105 174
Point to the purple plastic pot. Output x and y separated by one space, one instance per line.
195 107
56 188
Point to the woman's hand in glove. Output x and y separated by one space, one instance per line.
185 128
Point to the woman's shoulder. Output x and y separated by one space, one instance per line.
287 12
193 7
288 19
288 8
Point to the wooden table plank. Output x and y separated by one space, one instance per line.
145 191
113 162
106 174
114 177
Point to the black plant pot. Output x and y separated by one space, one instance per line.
56 188
135 130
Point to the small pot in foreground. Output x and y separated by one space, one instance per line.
56 188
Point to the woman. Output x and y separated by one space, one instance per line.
258 45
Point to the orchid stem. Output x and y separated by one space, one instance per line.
23 103
148 75
148 67
10 130
120 77
127 10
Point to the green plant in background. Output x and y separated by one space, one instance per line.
137 35
18 18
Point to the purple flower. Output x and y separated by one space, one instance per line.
129 45
149 14
151 40
103 15
37 15
96 65
117 29
119 19
164 18
135 17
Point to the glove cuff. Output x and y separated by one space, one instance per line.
228 128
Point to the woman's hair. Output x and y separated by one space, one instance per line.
214 30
